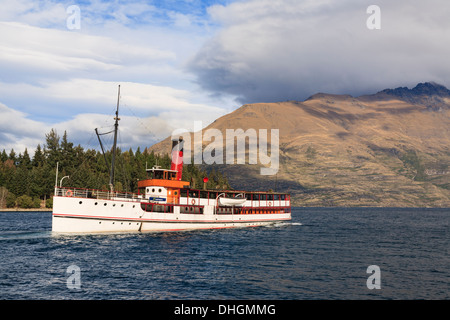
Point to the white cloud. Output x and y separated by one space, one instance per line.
39 50
17 131
42 13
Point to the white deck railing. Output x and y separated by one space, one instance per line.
96 194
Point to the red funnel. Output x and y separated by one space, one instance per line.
177 157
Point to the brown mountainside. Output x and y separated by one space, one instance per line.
387 149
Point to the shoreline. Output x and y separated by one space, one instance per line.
23 209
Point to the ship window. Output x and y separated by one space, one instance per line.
262 197
270 197
157 175
256 197
153 190
175 193
80 202
96 203
159 190
183 192
276 197
104 204
204 194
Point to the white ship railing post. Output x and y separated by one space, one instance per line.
56 179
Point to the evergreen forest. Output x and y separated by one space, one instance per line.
28 181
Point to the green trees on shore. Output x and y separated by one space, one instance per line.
28 181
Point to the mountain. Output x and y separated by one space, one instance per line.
391 148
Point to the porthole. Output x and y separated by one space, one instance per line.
99 222
96 203
159 190
80 202
104 204
114 205
121 205
153 190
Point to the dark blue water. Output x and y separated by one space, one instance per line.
322 254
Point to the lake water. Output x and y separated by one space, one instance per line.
323 253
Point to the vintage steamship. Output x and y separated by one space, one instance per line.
164 202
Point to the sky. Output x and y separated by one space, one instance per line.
183 61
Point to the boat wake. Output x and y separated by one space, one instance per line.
24 235
284 224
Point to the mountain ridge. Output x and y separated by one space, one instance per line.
430 94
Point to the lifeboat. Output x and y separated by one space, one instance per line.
232 202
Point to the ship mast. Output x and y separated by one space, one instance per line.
116 127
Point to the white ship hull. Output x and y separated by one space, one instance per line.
85 215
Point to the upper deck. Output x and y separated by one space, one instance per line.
162 178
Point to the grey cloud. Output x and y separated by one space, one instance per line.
293 49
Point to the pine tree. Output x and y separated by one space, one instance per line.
52 148
3 156
38 158
24 160
12 156
67 154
